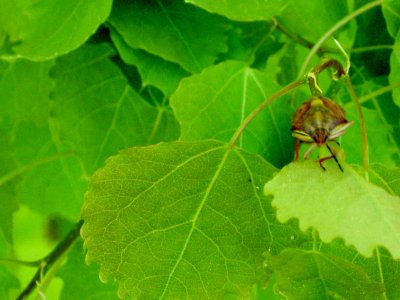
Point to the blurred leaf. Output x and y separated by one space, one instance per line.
371 33
303 274
363 214
215 102
87 285
382 146
394 76
57 27
7 279
153 69
251 10
12 20
9 203
386 177
24 91
175 31
391 11
163 220
94 113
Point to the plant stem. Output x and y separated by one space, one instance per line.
365 151
312 76
50 259
371 48
379 92
255 112
378 258
333 29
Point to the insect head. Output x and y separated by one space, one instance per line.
318 121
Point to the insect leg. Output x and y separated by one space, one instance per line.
296 150
312 147
334 157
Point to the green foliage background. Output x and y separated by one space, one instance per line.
121 113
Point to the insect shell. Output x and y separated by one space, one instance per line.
318 121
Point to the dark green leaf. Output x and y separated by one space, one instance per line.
313 275
175 31
252 10
153 69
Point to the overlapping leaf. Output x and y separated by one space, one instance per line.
22 100
53 28
303 274
386 177
24 91
214 103
339 205
243 10
98 113
311 20
153 70
182 220
175 31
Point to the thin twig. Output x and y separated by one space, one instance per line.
379 92
50 259
255 112
365 151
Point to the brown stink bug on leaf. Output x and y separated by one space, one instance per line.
318 121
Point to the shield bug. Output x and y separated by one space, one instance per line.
318 121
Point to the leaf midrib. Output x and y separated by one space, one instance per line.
195 218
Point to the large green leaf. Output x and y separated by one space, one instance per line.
175 31
243 10
337 204
182 220
215 102
314 275
57 27
153 70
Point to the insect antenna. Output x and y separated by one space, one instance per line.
334 157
